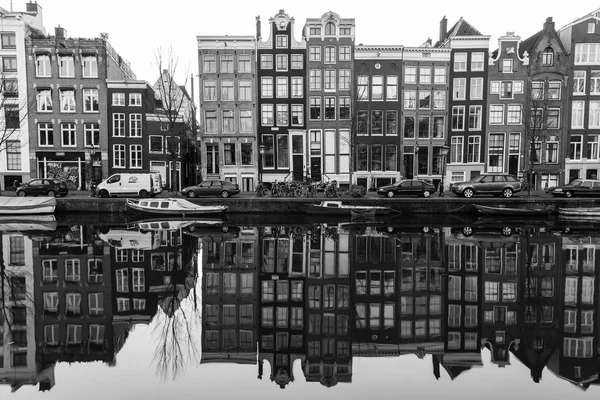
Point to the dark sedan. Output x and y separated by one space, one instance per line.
212 188
43 187
407 187
578 187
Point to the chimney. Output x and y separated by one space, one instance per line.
549 23
443 28
32 8
59 32
258 34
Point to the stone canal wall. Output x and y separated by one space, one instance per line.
282 205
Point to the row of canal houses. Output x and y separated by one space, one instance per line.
325 107
322 107
275 296
72 108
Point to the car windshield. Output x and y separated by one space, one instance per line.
477 178
576 182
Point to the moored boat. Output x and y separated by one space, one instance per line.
586 212
489 210
335 207
26 205
172 206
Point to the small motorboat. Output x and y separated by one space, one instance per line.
336 207
585 212
171 206
489 210
26 205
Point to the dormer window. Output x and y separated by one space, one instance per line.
548 56
330 29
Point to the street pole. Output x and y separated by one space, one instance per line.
261 153
444 152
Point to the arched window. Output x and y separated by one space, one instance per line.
548 56
330 29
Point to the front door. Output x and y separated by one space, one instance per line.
315 169
298 165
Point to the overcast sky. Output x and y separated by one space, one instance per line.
137 28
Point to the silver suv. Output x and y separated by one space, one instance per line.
493 183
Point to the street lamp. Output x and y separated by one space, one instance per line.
444 150
261 151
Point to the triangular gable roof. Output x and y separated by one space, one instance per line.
530 43
594 14
463 28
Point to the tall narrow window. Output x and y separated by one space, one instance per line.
89 67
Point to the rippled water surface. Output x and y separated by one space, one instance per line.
266 306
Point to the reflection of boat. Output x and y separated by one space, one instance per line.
131 239
173 224
26 205
338 208
580 212
501 210
45 223
212 233
172 206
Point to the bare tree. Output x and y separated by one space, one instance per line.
175 110
14 110
177 323
539 119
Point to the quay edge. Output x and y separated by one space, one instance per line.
247 205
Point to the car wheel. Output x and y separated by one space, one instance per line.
506 231
191 228
467 231
191 194
468 193
426 193
21 193
103 194
390 194
143 193
390 229
568 193
224 194
51 193
508 192
225 229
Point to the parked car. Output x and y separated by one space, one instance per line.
43 187
578 187
211 188
493 183
407 187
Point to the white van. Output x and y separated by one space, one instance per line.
142 184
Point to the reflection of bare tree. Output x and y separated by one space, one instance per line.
178 322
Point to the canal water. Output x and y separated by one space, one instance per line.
266 306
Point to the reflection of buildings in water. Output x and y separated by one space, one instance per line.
73 298
499 264
464 261
398 293
229 300
18 364
282 301
539 299
328 346
577 357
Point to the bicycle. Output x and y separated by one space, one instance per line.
332 189
262 190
